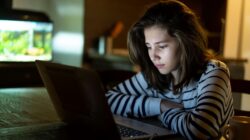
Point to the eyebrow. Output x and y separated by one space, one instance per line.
164 41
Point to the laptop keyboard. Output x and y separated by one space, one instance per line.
129 132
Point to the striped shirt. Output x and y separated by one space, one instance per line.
208 102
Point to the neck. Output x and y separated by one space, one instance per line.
175 75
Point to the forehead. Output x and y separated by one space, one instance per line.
156 33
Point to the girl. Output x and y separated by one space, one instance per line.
179 81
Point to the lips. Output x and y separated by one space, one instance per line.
159 66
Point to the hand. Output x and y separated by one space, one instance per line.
166 105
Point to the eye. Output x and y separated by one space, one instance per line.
162 46
148 47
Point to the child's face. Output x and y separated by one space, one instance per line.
163 49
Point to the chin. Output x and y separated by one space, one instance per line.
164 72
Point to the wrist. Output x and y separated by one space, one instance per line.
163 105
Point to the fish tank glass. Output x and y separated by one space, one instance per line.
25 41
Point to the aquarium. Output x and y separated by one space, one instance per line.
25 41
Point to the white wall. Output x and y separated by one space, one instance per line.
237 33
246 50
67 16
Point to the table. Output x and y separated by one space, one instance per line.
32 106
24 106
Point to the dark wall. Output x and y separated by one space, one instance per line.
6 4
101 15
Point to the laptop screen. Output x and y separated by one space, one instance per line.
78 98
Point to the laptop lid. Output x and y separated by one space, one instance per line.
79 99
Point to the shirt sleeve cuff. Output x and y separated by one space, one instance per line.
154 106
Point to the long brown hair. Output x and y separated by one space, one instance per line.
181 23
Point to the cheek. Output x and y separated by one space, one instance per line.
150 54
172 57
168 55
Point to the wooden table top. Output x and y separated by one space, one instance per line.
31 106
24 106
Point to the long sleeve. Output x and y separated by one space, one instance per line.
208 102
133 98
212 110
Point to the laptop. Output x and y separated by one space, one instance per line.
79 99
